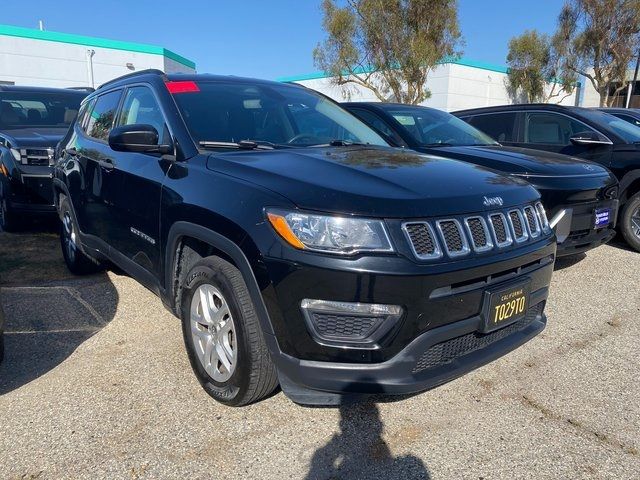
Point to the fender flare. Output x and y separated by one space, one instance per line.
187 229
627 180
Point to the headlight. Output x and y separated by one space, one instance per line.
542 215
16 154
324 233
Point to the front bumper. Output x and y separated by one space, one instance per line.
31 189
437 339
575 226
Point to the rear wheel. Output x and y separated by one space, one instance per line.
630 221
76 260
222 335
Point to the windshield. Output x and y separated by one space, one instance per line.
38 109
625 130
433 127
282 115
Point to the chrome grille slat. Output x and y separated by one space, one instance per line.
532 221
479 233
453 237
423 240
36 156
500 229
516 220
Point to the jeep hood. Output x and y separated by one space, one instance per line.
374 181
35 137
521 161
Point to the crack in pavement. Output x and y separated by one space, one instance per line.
603 438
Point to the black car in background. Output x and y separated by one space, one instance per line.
579 196
296 246
581 132
32 122
631 115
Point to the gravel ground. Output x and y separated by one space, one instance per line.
96 384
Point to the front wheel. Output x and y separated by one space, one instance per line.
76 260
630 221
222 335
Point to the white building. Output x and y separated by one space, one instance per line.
454 85
51 59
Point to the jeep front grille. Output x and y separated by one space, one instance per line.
36 156
457 237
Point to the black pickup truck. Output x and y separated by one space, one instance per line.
295 245
32 122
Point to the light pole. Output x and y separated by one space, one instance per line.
632 85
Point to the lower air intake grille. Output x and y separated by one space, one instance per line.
421 239
344 326
449 350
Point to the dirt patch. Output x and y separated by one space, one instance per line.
31 258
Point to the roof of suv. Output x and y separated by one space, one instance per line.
177 77
22 88
521 106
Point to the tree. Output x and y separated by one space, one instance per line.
535 61
387 46
601 38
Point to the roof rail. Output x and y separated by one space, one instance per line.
82 89
153 71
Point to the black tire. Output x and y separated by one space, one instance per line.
254 375
628 221
78 262
8 220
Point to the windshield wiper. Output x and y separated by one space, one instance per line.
437 144
338 143
242 145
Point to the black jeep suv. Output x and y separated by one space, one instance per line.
580 132
296 246
579 196
32 122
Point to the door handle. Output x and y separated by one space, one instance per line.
107 164
72 152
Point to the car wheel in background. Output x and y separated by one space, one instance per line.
630 221
77 261
8 221
222 335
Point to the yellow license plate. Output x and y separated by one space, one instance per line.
506 305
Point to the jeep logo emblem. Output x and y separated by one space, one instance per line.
492 201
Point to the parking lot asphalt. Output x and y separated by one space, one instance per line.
96 384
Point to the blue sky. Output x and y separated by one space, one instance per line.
259 38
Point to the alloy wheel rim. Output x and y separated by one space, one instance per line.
213 333
635 222
69 236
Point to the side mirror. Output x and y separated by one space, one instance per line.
587 138
137 137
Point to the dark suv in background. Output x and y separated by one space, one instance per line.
581 132
32 122
579 196
296 246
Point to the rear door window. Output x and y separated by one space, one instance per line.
499 126
102 115
547 128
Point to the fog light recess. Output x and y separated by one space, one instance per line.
347 324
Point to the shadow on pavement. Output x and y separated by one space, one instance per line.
48 311
569 261
358 451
